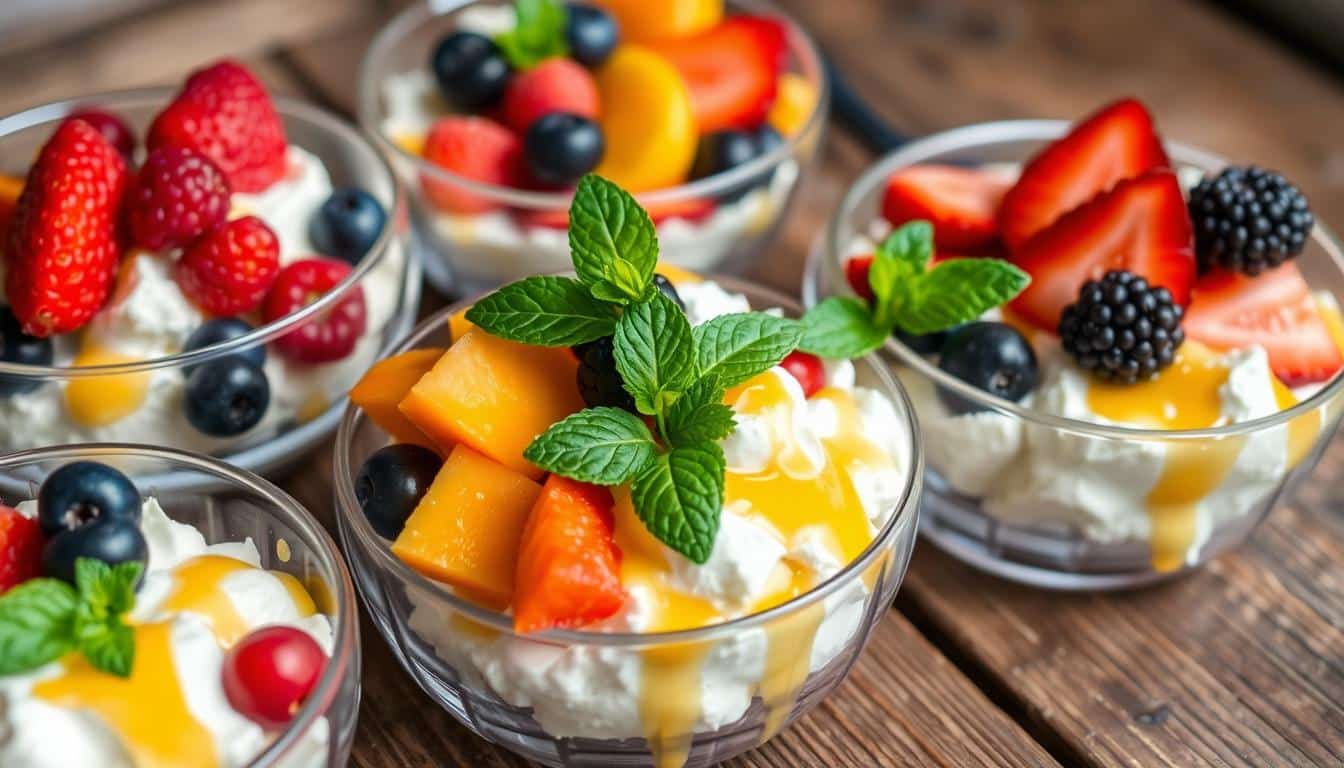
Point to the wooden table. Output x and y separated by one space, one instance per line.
1241 664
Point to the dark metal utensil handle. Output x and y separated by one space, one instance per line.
851 111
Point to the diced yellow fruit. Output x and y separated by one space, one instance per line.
678 275
793 105
495 396
384 387
466 529
96 401
651 138
643 21
458 324
411 143
314 405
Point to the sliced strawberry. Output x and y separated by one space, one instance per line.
569 567
1141 225
476 148
1274 310
961 204
1117 142
20 549
732 70
692 210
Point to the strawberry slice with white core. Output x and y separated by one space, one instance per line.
1141 225
962 204
1117 142
1274 310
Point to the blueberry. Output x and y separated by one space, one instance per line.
591 34
18 347
218 331
669 290
471 70
112 540
992 357
767 139
347 224
84 492
723 151
561 147
927 344
599 383
226 397
391 482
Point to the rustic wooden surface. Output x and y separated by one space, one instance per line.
1241 664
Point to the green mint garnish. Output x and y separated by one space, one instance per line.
699 416
545 311
605 446
655 353
733 348
41 620
679 497
538 35
909 296
612 241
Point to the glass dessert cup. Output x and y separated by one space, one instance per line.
1205 497
466 253
432 631
288 538
389 278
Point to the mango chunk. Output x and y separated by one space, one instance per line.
467 528
384 387
495 396
458 324
102 400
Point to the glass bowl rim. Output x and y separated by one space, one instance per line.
827 259
345 131
345 620
417 13
905 512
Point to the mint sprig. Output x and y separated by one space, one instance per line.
545 311
655 353
539 33
910 296
43 619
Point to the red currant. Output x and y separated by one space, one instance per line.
331 335
856 272
807 369
270 672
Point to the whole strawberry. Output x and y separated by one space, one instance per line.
229 271
20 549
177 196
63 250
224 113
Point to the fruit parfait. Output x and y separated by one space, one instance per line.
1171 366
158 628
204 268
623 517
492 112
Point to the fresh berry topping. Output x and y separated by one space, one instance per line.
561 147
229 270
599 383
471 70
22 349
1117 142
347 225
226 397
993 357
175 197
732 70
476 148
21 546
224 113
86 509
63 253
856 274
962 204
328 337
391 483
1248 220
113 128
569 568
555 85
807 369
1275 311
591 33
926 344
669 290
112 541
218 331
726 150
768 139
269 674
1121 329
1141 226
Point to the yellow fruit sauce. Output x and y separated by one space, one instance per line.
790 497
148 710
97 401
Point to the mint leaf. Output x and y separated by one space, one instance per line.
958 291
111 649
899 260
679 497
841 327
538 35
606 446
109 588
106 592
699 415
733 348
36 624
544 311
655 352
612 241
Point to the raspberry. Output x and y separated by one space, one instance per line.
113 128
476 148
229 271
177 196
20 549
329 336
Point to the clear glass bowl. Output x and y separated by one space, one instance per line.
389 277
466 253
430 629
1057 554
288 538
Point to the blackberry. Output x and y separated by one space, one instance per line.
1121 329
599 382
1248 220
